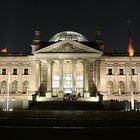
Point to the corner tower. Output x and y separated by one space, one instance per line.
36 40
99 40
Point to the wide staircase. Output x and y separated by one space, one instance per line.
65 105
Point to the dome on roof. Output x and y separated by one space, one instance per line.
68 35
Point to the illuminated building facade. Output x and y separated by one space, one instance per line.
67 63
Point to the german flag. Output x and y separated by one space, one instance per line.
130 47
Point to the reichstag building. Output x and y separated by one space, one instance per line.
67 63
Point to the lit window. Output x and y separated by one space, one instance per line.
14 87
3 87
25 87
109 71
26 71
14 71
56 77
68 77
4 71
121 72
55 82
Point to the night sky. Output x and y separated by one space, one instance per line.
19 19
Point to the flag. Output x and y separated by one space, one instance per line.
3 50
130 47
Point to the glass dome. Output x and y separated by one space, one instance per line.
68 35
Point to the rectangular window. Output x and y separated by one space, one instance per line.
55 80
133 71
14 71
4 71
79 77
26 71
109 71
121 72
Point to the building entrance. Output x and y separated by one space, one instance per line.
67 77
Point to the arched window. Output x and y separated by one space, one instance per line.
121 87
110 87
3 87
14 87
25 87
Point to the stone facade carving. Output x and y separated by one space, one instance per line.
68 47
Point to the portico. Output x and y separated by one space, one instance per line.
64 68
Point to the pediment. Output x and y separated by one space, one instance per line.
67 46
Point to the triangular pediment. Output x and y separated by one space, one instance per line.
67 46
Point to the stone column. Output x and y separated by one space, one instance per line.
94 72
49 79
45 72
43 77
61 92
37 74
74 76
41 72
97 74
86 91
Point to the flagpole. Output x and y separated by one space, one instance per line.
131 86
131 53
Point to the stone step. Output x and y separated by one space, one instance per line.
66 105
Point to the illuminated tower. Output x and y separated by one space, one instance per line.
36 41
99 40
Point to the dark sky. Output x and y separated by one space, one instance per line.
19 19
